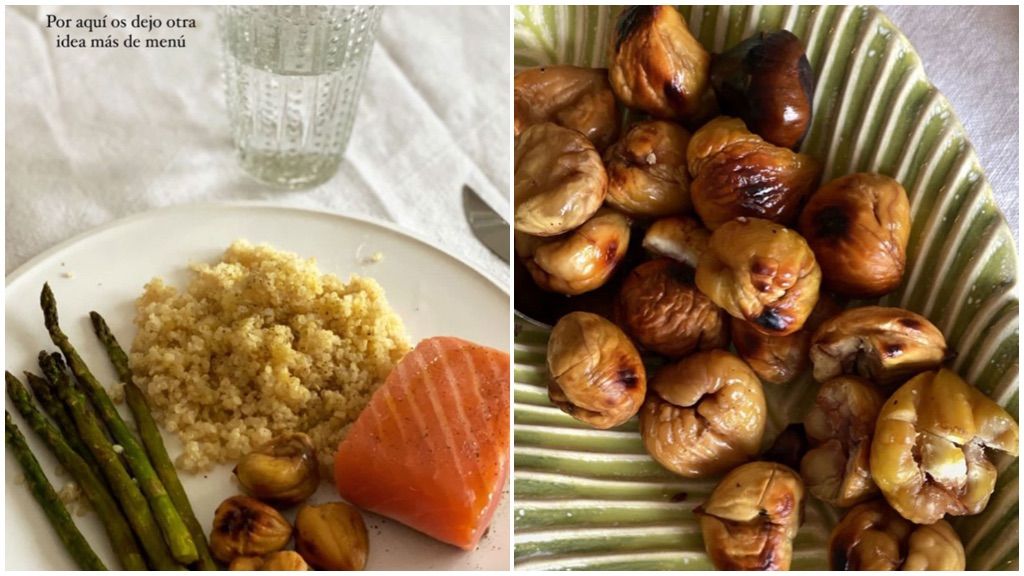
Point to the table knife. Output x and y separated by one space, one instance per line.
488 226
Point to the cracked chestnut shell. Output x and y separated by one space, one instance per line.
560 180
647 174
597 375
872 536
705 414
661 308
752 516
767 81
580 261
884 345
657 66
737 173
858 227
839 425
928 452
761 272
570 96
681 238
244 526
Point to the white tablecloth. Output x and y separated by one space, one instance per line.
97 134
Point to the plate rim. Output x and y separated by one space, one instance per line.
30 264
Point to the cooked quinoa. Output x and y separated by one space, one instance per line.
259 344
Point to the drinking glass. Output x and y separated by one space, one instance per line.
293 79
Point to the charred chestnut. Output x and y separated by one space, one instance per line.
596 373
779 359
560 180
928 452
705 415
647 173
737 173
570 96
657 66
761 272
579 261
858 227
884 345
839 426
767 81
752 516
681 238
659 306
874 537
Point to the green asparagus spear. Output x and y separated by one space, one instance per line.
52 406
120 533
121 484
178 538
152 440
47 497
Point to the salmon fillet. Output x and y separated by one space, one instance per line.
431 449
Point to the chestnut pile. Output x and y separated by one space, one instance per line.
250 534
743 245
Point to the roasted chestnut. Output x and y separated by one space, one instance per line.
858 227
659 306
752 516
736 173
597 375
874 537
647 174
244 526
570 96
579 261
284 471
767 81
560 180
657 66
332 536
884 345
928 452
761 272
839 426
705 414
681 238
779 359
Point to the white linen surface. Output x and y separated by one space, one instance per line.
97 134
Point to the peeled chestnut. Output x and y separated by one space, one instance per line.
752 516
767 81
332 536
647 173
858 227
244 526
579 261
761 272
705 415
737 173
570 96
839 426
681 238
560 180
874 537
597 375
284 471
884 345
280 561
657 66
660 307
928 452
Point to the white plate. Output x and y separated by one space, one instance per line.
105 270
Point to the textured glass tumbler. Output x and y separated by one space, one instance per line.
293 77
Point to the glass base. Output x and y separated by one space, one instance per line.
291 172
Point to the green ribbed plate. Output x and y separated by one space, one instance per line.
589 499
